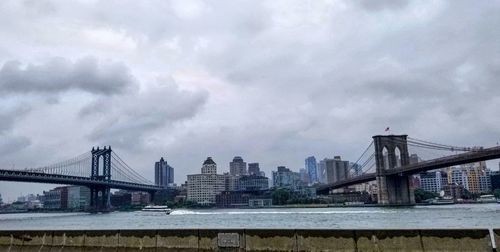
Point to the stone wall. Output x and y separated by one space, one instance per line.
249 240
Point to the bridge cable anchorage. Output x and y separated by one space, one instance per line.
126 169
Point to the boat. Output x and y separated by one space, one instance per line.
487 199
157 209
442 201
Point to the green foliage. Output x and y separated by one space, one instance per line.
422 195
280 196
497 193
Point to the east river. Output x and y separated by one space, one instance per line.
449 216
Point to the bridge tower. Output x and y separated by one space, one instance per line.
101 170
391 152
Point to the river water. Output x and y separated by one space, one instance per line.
449 216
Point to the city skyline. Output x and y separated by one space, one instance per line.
264 80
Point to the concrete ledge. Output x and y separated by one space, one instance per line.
270 240
137 240
37 241
102 240
249 240
68 241
177 240
456 240
326 240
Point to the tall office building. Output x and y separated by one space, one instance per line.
203 188
237 167
312 169
164 173
285 178
322 171
336 169
253 169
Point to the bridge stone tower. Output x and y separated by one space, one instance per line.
101 174
391 152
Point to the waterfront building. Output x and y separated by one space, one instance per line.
453 190
164 173
458 176
203 188
336 169
285 178
260 202
431 181
139 198
232 199
78 197
495 180
231 182
253 169
485 181
253 183
238 167
121 198
56 198
312 169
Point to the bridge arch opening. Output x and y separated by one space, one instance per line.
397 153
385 155
100 171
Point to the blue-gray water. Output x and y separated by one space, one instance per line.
449 216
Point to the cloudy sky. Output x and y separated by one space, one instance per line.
272 81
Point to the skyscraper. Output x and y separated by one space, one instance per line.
237 167
203 188
312 169
253 169
164 173
336 169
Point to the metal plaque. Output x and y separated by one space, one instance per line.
228 240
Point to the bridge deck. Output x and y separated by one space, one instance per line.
25 176
458 159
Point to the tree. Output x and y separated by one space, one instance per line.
497 193
422 195
280 196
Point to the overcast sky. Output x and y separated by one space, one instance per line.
272 81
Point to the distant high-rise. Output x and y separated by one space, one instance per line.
238 167
164 173
312 169
321 172
203 188
253 169
336 169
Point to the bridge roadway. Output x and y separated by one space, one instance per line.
458 159
25 176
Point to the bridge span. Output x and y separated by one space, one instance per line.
402 172
100 170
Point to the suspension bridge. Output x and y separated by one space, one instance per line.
387 160
100 170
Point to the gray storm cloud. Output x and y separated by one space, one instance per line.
59 75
